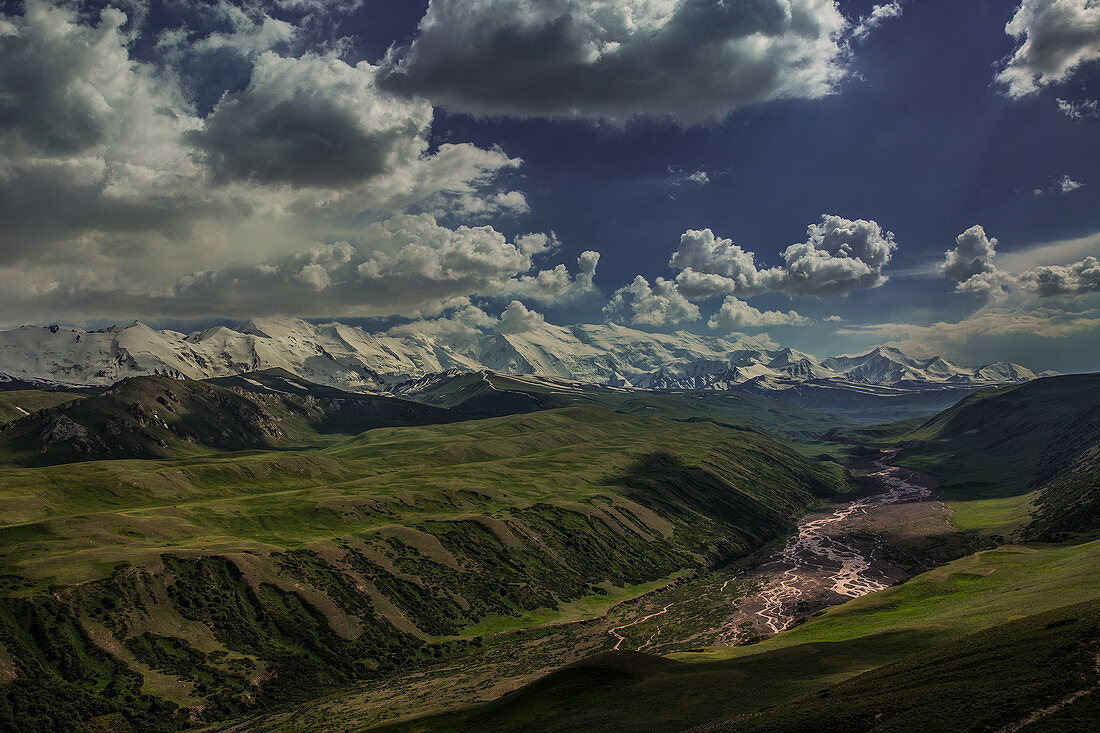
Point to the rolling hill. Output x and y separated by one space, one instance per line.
213 583
162 417
1020 459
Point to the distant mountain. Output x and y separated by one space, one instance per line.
353 359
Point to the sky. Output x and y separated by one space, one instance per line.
828 175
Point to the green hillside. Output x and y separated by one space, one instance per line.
1017 461
1016 628
18 403
160 417
230 581
487 393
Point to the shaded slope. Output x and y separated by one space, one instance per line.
947 650
161 417
1030 449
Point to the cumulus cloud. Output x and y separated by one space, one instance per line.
971 265
557 285
643 304
712 265
516 318
119 194
737 314
403 264
461 318
312 121
839 256
1056 37
1073 279
973 255
690 60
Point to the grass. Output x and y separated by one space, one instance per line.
955 599
15 404
375 553
995 623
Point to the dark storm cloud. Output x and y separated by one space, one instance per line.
691 61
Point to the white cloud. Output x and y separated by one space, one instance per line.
460 318
1057 37
839 255
614 59
643 304
712 266
971 265
312 121
118 197
1067 184
872 21
737 314
516 318
973 255
1073 279
1079 110
557 285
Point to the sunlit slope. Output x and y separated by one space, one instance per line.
231 582
18 403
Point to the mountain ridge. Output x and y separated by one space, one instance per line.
352 358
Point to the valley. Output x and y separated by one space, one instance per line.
265 553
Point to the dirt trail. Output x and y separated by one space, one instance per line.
620 638
1056 707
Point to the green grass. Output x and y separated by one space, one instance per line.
995 624
15 404
375 553
958 598
998 451
495 394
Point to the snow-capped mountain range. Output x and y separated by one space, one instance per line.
354 359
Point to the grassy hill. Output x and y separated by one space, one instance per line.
18 403
160 417
1017 461
979 643
139 592
484 394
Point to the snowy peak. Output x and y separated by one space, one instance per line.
351 358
